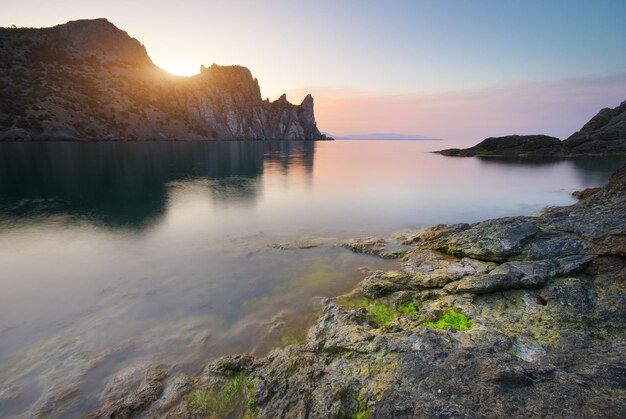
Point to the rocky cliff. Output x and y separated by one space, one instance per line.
87 79
605 133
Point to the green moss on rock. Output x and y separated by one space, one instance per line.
361 412
452 319
203 401
406 308
381 312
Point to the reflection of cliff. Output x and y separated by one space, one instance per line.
287 155
591 170
125 184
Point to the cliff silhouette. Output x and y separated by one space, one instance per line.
89 80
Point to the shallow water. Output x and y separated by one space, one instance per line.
114 255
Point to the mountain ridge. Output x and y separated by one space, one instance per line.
89 80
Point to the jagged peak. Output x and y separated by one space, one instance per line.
307 101
227 70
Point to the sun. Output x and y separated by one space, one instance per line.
180 68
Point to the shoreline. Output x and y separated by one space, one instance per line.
517 316
152 140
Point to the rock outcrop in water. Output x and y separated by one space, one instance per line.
511 317
510 145
87 79
605 133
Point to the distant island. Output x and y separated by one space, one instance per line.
605 133
89 80
385 136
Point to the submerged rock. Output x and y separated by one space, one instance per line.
148 391
377 246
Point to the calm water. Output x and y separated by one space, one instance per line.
118 255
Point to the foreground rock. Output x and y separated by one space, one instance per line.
87 79
512 317
605 133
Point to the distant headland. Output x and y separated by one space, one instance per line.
89 80
604 134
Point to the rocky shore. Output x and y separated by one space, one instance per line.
510 317
604 134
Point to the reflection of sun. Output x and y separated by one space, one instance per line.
180 68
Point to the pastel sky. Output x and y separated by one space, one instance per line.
459 70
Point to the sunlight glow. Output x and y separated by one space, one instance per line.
179 68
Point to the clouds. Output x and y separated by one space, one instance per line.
554 108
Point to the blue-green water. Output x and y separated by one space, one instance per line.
114 255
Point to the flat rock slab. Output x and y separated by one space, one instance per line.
493 240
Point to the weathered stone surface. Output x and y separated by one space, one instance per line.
523 274
387 249
586 193
381 283
492 240
172 394
431 269
553 245
147 392
436 234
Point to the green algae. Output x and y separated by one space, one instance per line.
200 400
361 410
452 319
316 277
406 308
205 402
250 402
230 391
290 339
381 312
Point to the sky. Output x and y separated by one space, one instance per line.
457 70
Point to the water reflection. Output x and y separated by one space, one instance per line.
126 184
124 255
590 170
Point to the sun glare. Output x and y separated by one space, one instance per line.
180 68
